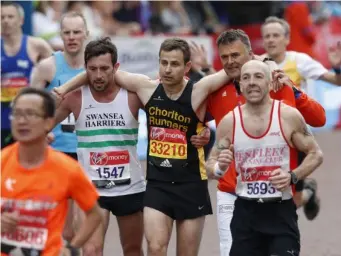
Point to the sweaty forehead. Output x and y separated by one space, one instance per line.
174 55
273 28
9 10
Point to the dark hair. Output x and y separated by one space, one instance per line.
99 47
172 44
48 100
17 6
232 35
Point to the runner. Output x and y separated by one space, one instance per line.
262 136
236 42
56 70
177 181
19 53
300 67
36 182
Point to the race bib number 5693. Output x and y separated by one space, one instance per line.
167 143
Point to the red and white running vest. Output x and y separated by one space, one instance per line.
257 157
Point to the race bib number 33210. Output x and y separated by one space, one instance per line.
167 143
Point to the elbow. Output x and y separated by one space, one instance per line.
319 157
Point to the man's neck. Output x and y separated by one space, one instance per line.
279 58
75 61
32 155
259 109
13 39
174 91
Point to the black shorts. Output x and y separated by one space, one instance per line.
122 205
6 138
264 229
179 200
73 155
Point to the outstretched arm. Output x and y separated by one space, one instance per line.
221 154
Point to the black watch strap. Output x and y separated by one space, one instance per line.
293 178
73 250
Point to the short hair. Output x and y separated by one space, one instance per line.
49 105
232 35
73 15
282 22
99 47
172 44
17 6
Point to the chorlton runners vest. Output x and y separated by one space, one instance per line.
171 123
257 157
107 138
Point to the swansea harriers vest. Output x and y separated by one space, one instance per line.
171 123
107 139
257 157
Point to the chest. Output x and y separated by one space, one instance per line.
256 125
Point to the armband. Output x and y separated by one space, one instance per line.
217 172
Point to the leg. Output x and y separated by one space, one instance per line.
188 238
131 233
158 230
225 207
95 245
245 239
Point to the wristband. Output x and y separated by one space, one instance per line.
217 172
337 70
205 70
297 92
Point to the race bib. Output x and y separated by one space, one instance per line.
68 124
110 166
257 184
31 232
167 143
11 86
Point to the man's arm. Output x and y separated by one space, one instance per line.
219 154
304 141
63 111
332 78
43 73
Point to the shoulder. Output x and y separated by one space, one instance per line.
290 115
8 152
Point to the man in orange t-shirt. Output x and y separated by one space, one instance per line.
235 49
36 182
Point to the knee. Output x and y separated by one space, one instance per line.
93 249
132 249
157 248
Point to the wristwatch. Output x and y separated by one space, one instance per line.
73 250
293 178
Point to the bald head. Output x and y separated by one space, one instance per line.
258 65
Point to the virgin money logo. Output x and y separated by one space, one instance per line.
98 158
157 133
257 173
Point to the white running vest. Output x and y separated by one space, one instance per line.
107 138
257 157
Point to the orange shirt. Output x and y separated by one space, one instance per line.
40 196
224 100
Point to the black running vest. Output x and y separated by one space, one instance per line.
171 123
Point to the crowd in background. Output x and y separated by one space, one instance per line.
178 17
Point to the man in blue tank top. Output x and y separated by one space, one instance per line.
61 67
55 71
19 53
